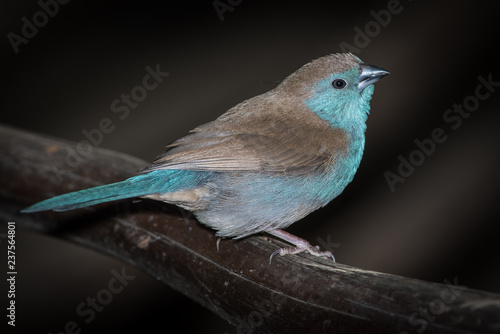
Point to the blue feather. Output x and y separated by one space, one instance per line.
160 181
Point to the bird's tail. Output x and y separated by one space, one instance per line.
161 181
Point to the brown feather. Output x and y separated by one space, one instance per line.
264 139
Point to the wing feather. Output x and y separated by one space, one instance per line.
271 142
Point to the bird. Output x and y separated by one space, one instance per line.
265 163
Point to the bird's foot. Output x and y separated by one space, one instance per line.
301 245
313 250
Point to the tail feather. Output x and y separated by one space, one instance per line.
161 181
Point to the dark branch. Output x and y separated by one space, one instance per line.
295 294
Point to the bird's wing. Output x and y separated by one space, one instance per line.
274 147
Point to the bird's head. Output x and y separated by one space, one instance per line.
337 87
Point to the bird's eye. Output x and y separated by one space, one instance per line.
339 83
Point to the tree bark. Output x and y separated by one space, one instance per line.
293 294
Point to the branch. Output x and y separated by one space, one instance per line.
295 294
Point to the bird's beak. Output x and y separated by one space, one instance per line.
369 75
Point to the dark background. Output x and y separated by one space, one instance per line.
441 223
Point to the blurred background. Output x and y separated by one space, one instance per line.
440 223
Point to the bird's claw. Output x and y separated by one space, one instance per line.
313 250
218 243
